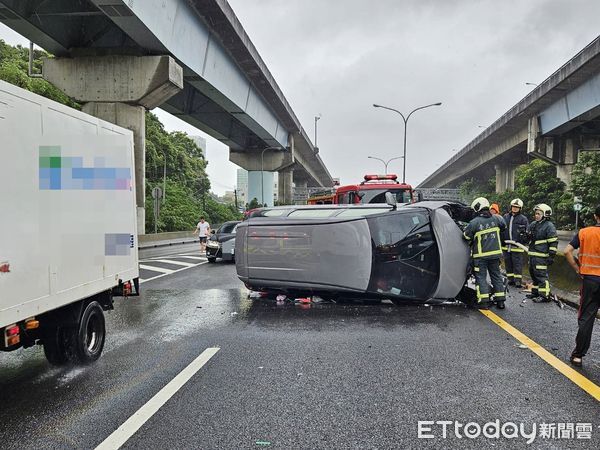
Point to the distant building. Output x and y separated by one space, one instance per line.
200 142
242 186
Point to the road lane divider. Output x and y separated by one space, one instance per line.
584 383
141 416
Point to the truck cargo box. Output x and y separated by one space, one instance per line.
67 213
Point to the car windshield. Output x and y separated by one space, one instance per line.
378 195
227 228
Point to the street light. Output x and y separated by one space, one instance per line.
262 173
405 119
317 118
385 163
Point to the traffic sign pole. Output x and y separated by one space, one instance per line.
577 207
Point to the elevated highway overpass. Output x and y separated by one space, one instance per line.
554 122
191 58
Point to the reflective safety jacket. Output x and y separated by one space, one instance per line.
516 230
589 251
543 239
483 232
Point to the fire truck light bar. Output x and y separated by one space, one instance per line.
391 176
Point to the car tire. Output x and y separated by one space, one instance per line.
211 260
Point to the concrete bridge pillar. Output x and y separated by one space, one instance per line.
258 162
119 89
300 190
505 177
568 160
285 186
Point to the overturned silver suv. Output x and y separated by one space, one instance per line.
405 252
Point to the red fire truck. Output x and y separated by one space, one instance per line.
371 190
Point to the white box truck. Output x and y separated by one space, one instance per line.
68 234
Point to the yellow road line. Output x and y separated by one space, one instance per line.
581 381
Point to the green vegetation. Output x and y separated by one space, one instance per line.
14 64
586 183
188 187
536 182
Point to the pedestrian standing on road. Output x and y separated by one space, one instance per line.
543 244
483 234
203 231
588 267
516 230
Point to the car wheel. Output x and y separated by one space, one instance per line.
87 338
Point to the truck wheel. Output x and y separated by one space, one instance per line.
55 346
87 338
211 260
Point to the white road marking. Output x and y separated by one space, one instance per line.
141 416
192 257
156 269
177 263
142 280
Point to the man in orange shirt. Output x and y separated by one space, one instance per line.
588 267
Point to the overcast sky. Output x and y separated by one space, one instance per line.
338 57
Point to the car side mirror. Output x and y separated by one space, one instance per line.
212 231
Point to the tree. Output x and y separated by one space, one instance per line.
586 184
535 183
253 204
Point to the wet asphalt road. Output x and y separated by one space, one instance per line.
291 376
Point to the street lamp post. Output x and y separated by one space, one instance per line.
405 119
262 173
317 118
384 162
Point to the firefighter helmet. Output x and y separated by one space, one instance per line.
545 209
517 202
480 203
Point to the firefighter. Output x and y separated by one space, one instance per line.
543 243
516 230
483 234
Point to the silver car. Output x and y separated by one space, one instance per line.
221 244
411 252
